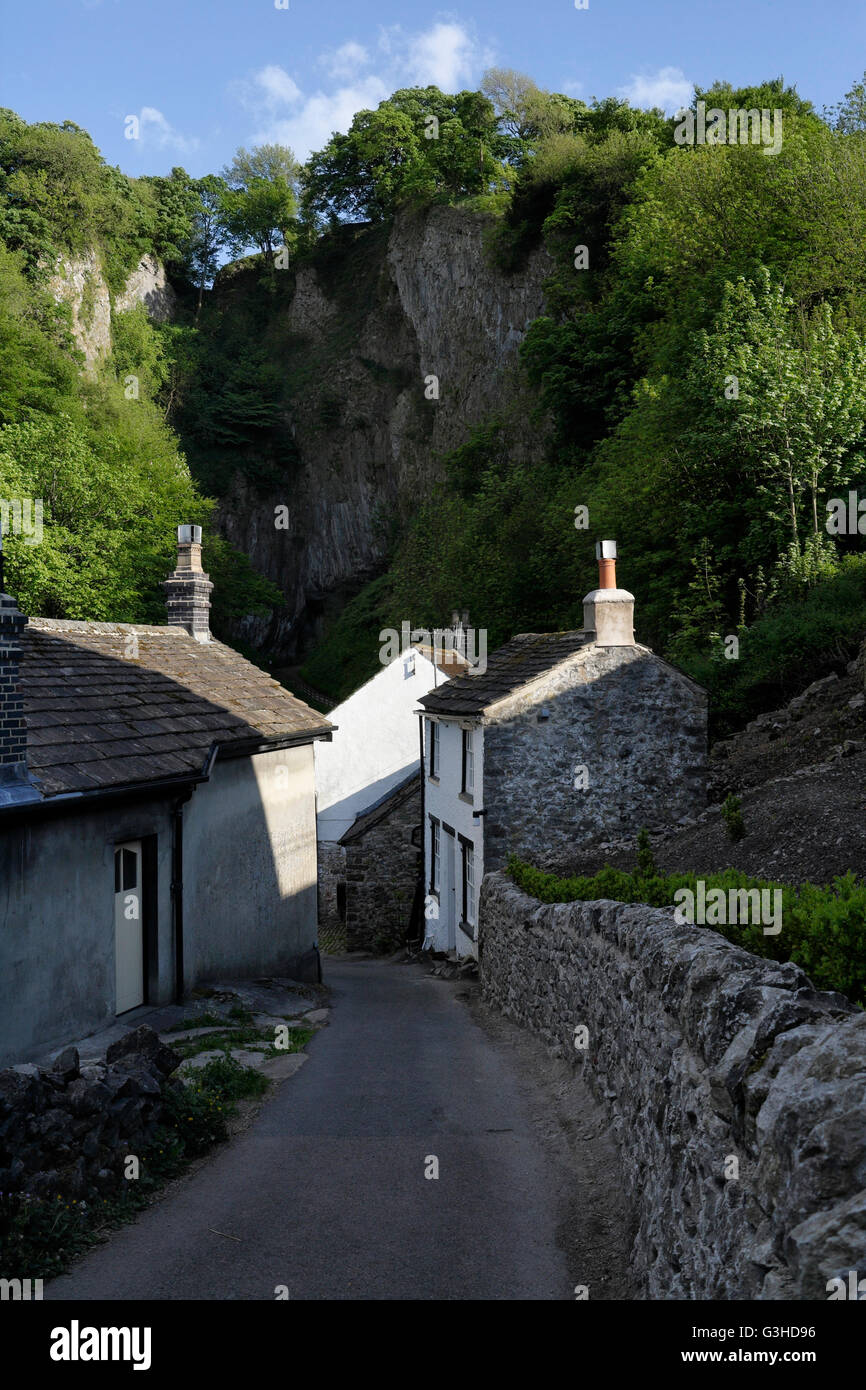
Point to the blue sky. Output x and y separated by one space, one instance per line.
205 76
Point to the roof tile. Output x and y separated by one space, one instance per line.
96 719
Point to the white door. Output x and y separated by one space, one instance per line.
128 928
449 889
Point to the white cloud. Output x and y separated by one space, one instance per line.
346 61
154 129
668 88
321 114
267 90
445 55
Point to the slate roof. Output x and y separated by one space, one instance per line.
99 718
521 660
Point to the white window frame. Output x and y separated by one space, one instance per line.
470 885
469 760
435 748
436 856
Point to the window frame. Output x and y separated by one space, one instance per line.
468 761
435 854
467 858
435 750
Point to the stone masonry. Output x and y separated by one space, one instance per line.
634 723
382 870
737 1091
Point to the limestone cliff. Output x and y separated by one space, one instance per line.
418 301
80 282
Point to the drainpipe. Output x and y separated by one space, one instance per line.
177 892
422 925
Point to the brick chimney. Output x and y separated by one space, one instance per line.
15 783
188 589
607 610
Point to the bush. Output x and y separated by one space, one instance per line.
794 643
197 1115
823 928
732 815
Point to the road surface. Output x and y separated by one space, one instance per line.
326 1192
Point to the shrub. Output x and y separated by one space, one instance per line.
732 815
823 927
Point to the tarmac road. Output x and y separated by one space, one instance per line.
326 1191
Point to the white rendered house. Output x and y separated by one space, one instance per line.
453 829
565 739
375 740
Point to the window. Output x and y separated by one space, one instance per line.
468 878
469 915
433 745
468 762
435 855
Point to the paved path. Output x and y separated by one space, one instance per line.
326 1193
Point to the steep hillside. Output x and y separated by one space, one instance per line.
79 282
354 336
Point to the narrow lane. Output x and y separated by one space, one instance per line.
326 1191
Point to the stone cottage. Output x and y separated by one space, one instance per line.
157 816
567 738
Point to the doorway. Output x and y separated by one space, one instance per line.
449 887
128 927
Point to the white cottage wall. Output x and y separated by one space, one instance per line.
375 746
446 803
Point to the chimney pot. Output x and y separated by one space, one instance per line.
188 589
609 611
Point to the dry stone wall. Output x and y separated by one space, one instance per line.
67 1129
713 1062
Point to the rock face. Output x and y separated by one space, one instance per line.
80 283
737 1091
147 285
66 1131
403 307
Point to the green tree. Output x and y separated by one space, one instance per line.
419 144
210 236
260 205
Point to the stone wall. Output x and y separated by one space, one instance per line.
382 869
635 724
67 1130
710 1060
332 877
